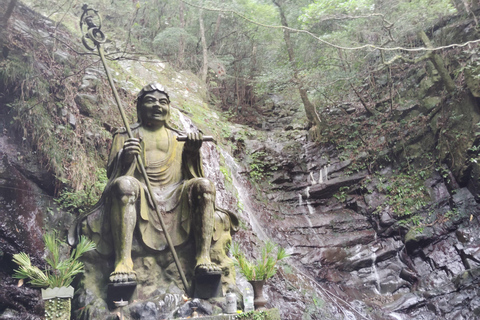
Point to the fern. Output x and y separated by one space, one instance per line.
264 267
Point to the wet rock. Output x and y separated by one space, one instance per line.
443 255
405 302
144 311
467 279
465 203
386 219
416 237
437 189
408 275
330 187
202 307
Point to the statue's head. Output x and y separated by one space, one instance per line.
153 104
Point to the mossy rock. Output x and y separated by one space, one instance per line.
417 235
429 103
267 314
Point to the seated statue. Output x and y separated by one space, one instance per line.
186 199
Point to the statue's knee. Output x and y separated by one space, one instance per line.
202 186
203 190
125 188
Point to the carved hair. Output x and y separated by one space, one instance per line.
154 86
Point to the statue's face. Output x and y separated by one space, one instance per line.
154 109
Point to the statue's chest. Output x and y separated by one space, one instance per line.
156 147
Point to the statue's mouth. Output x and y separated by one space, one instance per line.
159 112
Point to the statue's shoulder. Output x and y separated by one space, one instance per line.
123 131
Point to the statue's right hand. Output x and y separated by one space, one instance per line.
131 148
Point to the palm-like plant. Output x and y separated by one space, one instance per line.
262 268
59 272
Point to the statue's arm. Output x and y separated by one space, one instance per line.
191 156
122 154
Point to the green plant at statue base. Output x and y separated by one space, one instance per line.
59 272
58 275
264 267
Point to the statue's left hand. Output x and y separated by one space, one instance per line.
194 141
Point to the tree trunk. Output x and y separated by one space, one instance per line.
439 64
311 113
204 47
8 13
215 33
3 27
181 49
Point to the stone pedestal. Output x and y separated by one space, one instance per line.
117 292
208 285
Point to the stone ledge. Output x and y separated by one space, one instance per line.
270 314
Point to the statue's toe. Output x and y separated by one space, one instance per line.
207 268
132 277
119 277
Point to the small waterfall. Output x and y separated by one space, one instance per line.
375 272
186 123
396 316
310 208
322 176
374 266
243 195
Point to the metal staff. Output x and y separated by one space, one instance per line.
97 37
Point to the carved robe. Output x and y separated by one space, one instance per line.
170 179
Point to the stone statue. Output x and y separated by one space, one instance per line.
185 198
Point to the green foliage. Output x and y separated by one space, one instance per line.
262 268
406 192
79 201
342 194
314 309
166 43
59 272
15 69
321 8
226 173
252 315
260 166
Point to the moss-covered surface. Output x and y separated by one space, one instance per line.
267 314
58 309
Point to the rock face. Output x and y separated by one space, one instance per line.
337 210
22 218
351 241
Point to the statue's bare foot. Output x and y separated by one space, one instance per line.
116 277
123 273
207 268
